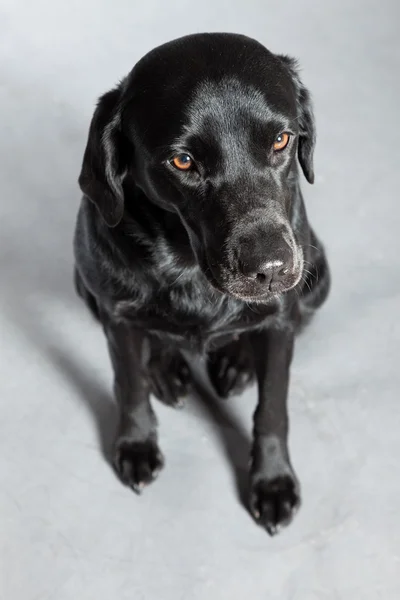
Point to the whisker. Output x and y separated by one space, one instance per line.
309 272
304 280
310 246
250 307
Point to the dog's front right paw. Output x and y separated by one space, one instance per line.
137 463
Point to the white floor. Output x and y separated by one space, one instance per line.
68 529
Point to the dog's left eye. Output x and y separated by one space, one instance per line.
281 141
183 162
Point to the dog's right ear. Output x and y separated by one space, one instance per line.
106 159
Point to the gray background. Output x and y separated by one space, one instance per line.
68 529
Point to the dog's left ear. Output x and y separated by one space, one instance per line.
307 135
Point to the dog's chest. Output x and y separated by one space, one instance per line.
193 319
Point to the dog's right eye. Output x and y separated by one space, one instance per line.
281 141
182 162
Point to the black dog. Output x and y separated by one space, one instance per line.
193 234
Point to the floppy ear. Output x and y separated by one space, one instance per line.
105 160
307 135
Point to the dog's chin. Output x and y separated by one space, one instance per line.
239 293
243 296
260 299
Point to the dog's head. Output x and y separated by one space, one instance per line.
209 126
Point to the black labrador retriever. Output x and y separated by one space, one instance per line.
192 235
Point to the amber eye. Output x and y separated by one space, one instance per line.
183 162
281 141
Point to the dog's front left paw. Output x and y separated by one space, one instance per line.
274 502
137 463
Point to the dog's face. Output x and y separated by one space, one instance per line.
209 126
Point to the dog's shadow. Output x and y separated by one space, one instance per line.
96 399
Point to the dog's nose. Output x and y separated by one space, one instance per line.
268 272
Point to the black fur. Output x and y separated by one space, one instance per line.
219 260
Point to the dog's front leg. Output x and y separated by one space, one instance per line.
274 489
137 457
